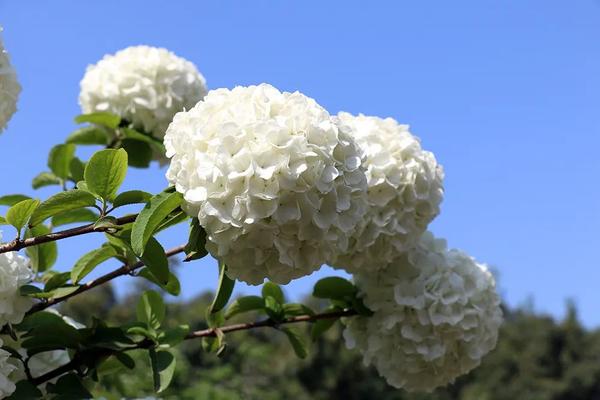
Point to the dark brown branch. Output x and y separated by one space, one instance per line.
123 270
19 244
75 363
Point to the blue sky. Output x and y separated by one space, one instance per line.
506 93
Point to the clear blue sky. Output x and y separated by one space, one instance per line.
506 93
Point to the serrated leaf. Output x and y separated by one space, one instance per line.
334 288
88 135
273 290
19 214
224 290
131 197
296 342
163 368
105 172
91 260
151 216
151 309
100 118
45 179
245 304
61 203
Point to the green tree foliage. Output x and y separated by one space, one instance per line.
537 358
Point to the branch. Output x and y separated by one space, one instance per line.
75 363
125 269
19 244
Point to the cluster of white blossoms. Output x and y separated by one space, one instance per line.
436 314
9 88
145 85
277 186
7 369
405 189
14 273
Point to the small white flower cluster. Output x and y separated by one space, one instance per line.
404 192
436 314
14 273
145 85
9 88
277 186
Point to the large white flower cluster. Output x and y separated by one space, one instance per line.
145 85
277 186
436 314
14 273
405 189
9 88
7 368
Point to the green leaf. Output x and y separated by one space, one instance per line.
140 153
195 248
273 290
54 293
134 135
75 216
156 260
28 290
99 118
172 287
57 280
163 368
320 327
224 290
89 135
60 158
91 260
125 360
3 221
295 309
46 330
131 197
19 214
77 169
334 288
273 308
151 309
245 304
61 203
69 387
172 337
45 179
296 342
42 256
148 220
105 172
25 390
12 199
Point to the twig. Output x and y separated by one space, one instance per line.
75 363
123 270
19 244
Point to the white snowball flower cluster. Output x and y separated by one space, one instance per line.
278 188
9 88
436 314
14 273
144 85
7 367
405 189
